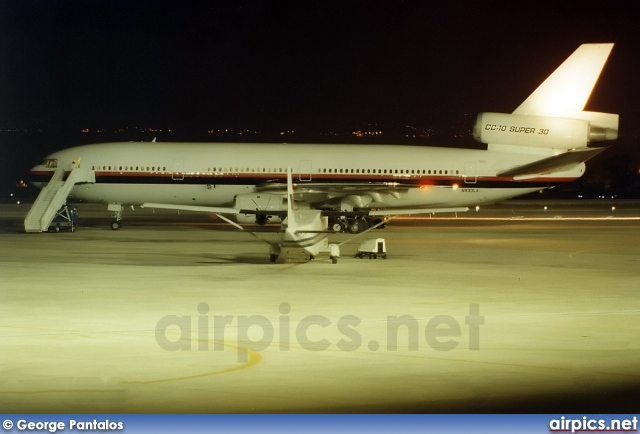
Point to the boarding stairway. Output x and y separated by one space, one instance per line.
54 196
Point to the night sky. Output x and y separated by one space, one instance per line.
316 66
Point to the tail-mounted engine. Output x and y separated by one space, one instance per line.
546 132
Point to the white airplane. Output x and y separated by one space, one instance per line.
544 142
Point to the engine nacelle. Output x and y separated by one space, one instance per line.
261 202
538 131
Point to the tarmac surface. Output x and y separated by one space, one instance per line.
510 309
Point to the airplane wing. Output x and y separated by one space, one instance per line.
207 209
341 187
415 211
219 211
326 193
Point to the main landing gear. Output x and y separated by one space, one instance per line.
354 225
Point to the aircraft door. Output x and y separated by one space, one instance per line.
177 174
470 173
305 171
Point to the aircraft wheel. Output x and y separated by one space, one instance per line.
355 226
273 258
334 259
115 225
337 226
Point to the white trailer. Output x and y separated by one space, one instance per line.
373 249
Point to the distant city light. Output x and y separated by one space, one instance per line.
366 133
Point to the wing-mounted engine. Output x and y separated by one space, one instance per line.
545 131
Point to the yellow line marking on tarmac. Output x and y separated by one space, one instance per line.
254 359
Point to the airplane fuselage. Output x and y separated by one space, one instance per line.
212 174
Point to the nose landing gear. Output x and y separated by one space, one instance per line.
117 215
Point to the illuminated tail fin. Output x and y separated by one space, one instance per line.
565 92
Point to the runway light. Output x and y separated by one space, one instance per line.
545 208
613 208
454 186
477 208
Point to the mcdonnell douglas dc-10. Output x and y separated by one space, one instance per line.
315 190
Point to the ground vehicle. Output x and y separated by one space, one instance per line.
372 249
66 219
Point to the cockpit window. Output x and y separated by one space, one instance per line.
50 163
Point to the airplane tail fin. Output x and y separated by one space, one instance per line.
568 88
